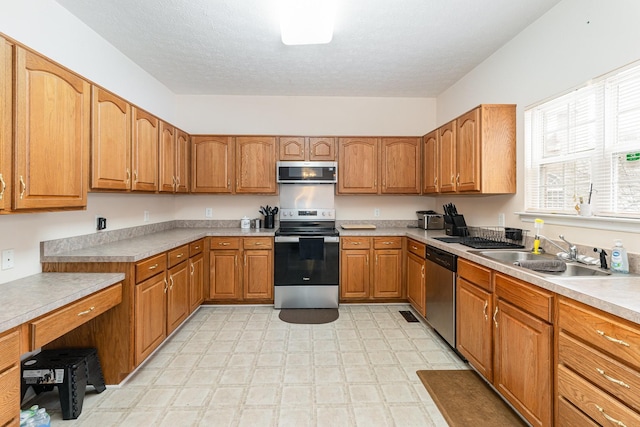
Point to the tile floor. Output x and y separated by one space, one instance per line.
243 366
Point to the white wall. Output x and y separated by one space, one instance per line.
574 42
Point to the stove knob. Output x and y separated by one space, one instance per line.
324 214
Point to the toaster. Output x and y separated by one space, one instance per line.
430 220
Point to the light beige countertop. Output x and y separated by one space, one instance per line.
618 294
25 299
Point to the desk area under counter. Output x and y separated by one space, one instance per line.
39 309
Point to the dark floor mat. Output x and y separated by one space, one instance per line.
408 316
309 316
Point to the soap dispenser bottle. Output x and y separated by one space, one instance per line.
619 259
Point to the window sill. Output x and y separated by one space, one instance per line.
596 222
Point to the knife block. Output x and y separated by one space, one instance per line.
455 225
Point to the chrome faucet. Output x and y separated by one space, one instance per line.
571 255
573 249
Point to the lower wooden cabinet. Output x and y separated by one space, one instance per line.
371 268
150 316
416 276
241 269
10 378
177 295
196 281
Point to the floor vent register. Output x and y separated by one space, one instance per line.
408 316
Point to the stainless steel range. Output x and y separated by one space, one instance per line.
307 249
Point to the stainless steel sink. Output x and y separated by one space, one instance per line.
573 270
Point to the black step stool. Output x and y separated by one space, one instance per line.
68 369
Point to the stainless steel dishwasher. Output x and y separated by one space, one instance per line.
441 293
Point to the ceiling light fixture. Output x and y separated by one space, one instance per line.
307 21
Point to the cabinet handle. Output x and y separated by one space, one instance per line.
153 267
415 248
435 182
610 418
173 179
166 285
23 186
171 280
258 243
193 269
458 179
615 340
235 258
3 186
128 176
613 380
223 243
228 183
356 243
375 182
495 313
453 179
484 310
82 313
387 243
245 259
422 271
180 255
367 259
135 175
237 184
376 259
196 247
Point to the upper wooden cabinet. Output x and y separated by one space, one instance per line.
52 135
144 151
430 167
174 159
212 163
256 165
357 166
400 165
299 148
6 134
182 162
110 141
470 149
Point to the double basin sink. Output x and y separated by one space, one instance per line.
511 256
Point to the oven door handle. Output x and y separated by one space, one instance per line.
296 239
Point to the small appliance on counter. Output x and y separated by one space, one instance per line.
430 220
454 223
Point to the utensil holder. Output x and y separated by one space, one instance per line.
269 221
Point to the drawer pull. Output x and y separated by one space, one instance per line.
196 247
82 313
179 255
615 340
610 418
153 267
356 243
387 243
495 313
223 244
484 310
414 248
613 380
258 243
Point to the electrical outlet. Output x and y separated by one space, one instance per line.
101 223
501 219
208 212
7 259
146 216
376 212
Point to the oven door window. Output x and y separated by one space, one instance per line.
310 261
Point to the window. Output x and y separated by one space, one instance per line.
584 146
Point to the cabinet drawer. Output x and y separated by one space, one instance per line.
177 255
10 397
569 415
150 267
529 298
196 247
476 274
9 350
612 335
351 242
225 243
49 327
387 242
600 369
257 243
599 405
417 248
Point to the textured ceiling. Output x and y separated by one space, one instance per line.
386 48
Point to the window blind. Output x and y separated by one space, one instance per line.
584 146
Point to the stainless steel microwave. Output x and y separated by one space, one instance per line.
307 172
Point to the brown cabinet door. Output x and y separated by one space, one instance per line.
416 292
150 316
212 164
144 151
258 275
358 166
387 273
292 148
110 141
400 165
447 148
468 152
177 296
430 155
474 328
256 165
182 162
10 378
523 362
224 275
196 281
167 163
6 134
52 135
322 149
355 274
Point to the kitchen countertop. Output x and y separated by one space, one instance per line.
25 299
618 294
